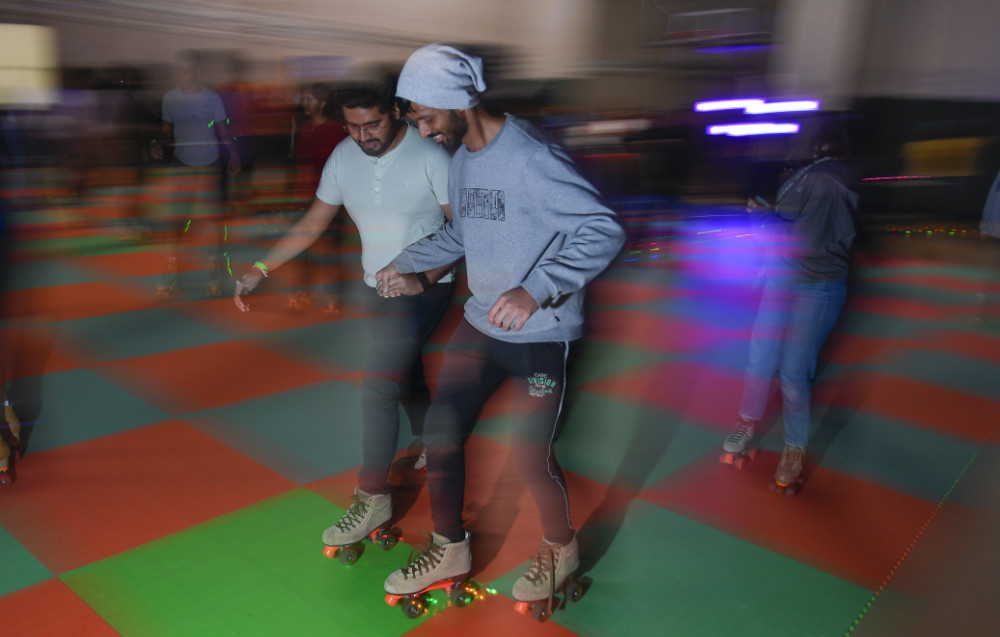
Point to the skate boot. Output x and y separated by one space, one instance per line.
788 475
421 462
6 465
10 429
435 564
551 572
736 448
364 519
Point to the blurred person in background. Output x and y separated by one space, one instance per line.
989 230
394 186
194 126
10 429
533 233
809 229
316 137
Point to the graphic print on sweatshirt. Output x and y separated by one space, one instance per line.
482 203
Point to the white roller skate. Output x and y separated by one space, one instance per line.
435 564
736 449
551 572
365 518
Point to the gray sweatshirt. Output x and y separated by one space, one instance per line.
522 216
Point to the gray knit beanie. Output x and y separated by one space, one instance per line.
441 76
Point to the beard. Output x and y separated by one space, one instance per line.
376 147
451 138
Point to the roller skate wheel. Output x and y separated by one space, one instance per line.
5 479
523 607
348 555
539 611
387 541
740 462
329 551
574 591
413 607
465 594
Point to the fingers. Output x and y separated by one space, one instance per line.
240 303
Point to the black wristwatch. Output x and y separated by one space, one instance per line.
424 281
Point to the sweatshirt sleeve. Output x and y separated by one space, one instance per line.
589 233
433 251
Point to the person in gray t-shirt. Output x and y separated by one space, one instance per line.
194 126
394 186
533 233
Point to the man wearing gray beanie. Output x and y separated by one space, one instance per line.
533 233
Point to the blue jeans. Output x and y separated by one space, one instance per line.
792 323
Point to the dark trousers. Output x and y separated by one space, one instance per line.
394 375
474 366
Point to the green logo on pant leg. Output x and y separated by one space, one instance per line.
540 385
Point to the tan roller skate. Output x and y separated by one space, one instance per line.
10 445
736 449
788 475
436 564
364 519
551 573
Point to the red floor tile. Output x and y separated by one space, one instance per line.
933 406
72 301
269 312
209 376
47 609
620 293
907 309
85 502
32 350
141 263
841 525
662 334
850 349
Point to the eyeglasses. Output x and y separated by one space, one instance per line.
371 129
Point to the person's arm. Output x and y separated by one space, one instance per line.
591 233
166 137
302 235
395 283
226 139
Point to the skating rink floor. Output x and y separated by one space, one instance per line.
183 458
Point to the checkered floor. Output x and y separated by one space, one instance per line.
184 458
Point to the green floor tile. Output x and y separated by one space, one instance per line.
304 434
258 571
79 405
37 274
610 441
339 345
19 569
910 460
138 333
667 575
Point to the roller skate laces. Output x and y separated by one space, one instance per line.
424 558
790 467
737 441
365 514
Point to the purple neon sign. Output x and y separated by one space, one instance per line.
756 128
